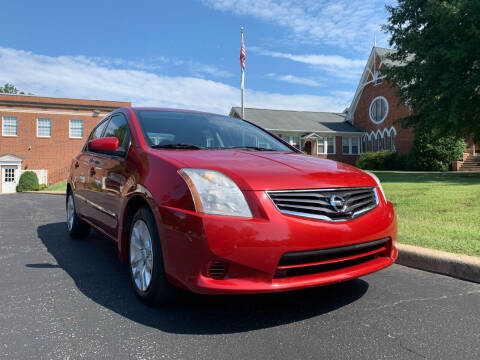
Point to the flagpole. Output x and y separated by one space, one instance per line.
242 78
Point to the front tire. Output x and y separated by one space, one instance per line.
146 261
77 228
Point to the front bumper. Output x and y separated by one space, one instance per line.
252 249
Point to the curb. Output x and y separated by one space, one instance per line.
458 266
45 192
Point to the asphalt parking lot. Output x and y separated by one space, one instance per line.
71 299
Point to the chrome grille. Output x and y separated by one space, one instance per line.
326 204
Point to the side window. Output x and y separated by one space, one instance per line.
118 127
98 131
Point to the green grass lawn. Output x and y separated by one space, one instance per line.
436 210
60 186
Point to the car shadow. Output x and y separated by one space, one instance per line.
93 264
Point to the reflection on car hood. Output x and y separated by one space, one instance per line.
256 170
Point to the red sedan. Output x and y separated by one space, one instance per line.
218 205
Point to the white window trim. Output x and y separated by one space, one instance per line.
3 127
290 139
378 76
45 136
370 110
325 145
70 128
350 145
392 144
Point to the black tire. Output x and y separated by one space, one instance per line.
77 228
159 290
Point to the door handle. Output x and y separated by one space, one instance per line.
92 171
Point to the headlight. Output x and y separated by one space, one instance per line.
377 180
215 193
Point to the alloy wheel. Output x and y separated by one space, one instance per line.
141 255
70 212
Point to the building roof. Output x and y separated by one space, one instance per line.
383 54
60 103
303 121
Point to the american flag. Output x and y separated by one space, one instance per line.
242 54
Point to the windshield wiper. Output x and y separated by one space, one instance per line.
250 148
177 146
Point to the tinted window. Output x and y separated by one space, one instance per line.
204 130
117 127
98 131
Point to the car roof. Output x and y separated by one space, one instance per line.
152 108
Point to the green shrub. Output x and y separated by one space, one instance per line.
42 187
28 182
434 152
381 160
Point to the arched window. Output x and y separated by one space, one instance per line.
384 135
379 142
372 143
364 144
392 141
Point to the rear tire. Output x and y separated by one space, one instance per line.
147 271
77 228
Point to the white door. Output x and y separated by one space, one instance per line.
9 179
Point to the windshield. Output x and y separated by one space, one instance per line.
183 130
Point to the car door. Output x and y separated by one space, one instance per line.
81 172
108 173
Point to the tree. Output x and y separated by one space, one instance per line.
10 89
437 63
432 151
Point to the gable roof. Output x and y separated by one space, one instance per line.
302 121
381 53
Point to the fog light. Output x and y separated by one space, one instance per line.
217 270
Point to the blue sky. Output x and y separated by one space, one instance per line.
302 55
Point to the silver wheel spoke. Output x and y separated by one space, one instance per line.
136 243
136 262
137 278
144 280
147 274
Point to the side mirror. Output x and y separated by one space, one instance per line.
103 144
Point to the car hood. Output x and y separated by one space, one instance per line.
255 170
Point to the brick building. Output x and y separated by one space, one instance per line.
322 134
43 134
368 124
376 107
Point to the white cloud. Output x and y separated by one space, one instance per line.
159 62
294 79
336 65
314 59
201 69
342 22
83 77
